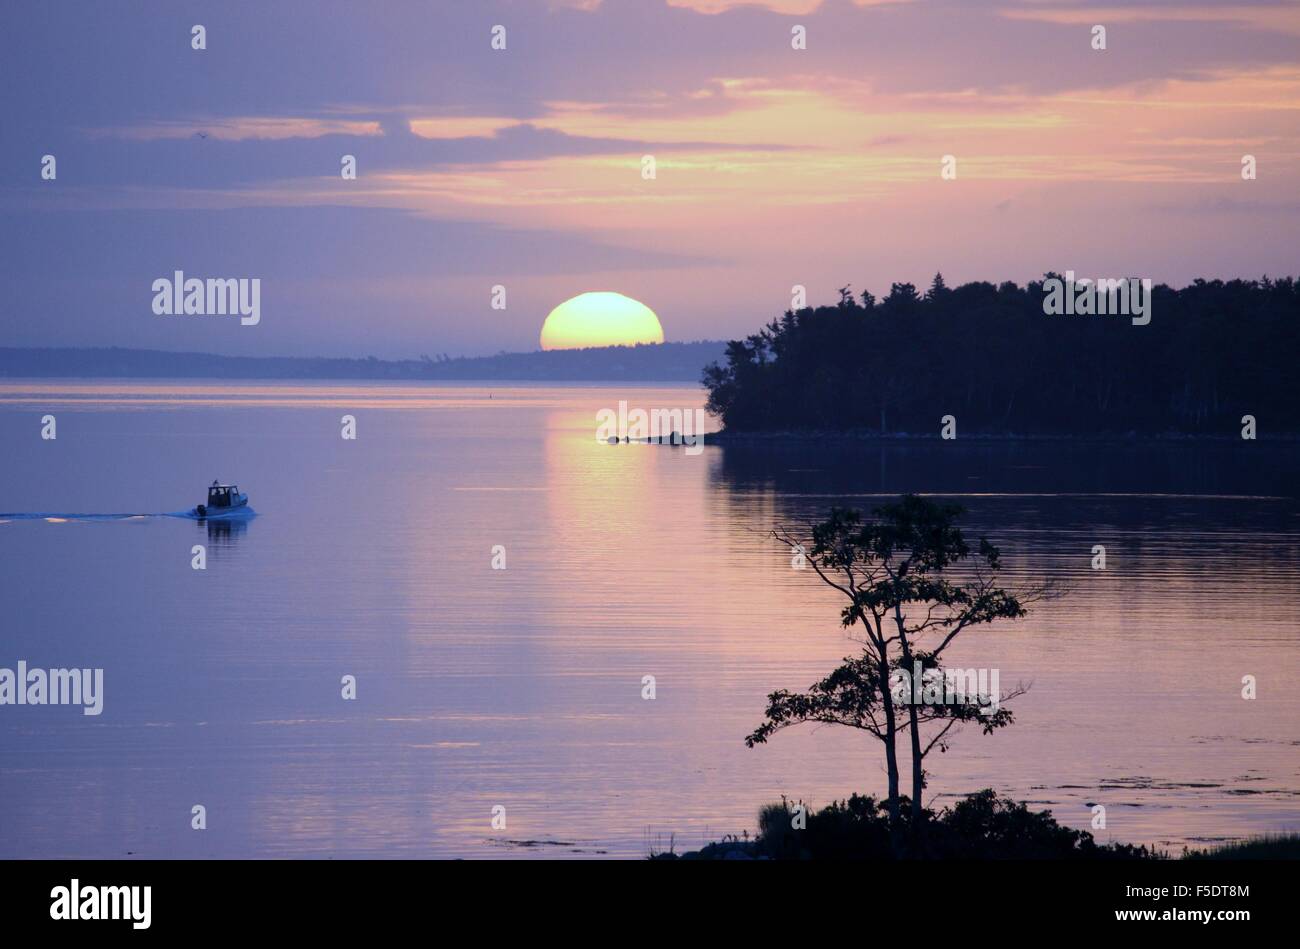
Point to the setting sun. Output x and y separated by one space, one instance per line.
600 319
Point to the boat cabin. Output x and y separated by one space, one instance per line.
222 495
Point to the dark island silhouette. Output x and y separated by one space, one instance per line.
994 360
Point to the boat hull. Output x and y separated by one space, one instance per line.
205 513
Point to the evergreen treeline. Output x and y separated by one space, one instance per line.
989 355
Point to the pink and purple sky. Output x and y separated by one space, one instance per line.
522 166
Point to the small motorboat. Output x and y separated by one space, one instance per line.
224 500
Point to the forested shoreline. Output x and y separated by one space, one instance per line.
990 357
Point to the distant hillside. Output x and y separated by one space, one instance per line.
668 362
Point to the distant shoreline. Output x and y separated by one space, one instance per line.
664 362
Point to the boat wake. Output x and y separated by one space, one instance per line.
58 517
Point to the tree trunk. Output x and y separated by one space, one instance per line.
891 759
915 732
918 775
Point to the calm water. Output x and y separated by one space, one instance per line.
522 688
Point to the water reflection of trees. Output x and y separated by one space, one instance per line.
1188 512
894 467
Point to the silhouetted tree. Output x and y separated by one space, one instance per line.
912 584
902 297
938 289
